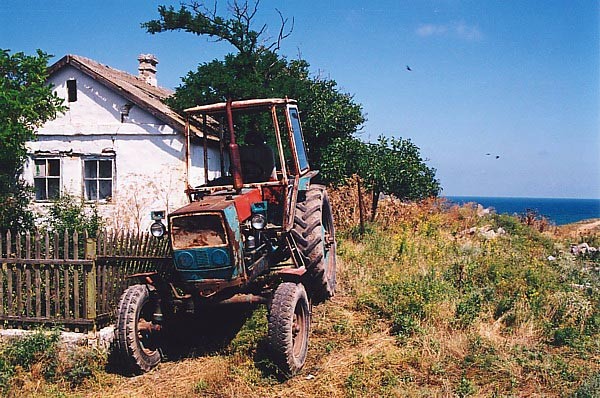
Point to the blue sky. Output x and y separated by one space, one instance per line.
518 80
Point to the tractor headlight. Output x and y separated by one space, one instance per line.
258 221
157 229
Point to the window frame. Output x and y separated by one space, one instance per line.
47 177
71 90
298 139
98 179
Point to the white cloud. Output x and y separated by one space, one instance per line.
426 30
471 33
457 29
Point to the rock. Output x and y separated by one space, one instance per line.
582 248
490 234
101 339
481 211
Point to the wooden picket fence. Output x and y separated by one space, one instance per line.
70 279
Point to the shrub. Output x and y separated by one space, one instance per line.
38 346
589 389
406 302
41 352
6 371
567 336
468 308
72 214
80 365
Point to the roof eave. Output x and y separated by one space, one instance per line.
177 123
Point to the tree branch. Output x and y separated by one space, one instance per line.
196 17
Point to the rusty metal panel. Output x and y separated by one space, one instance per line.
244 201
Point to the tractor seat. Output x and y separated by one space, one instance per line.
257 159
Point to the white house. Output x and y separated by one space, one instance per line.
117 145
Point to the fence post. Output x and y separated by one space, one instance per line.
91 293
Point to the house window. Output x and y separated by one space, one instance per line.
72 90
98 179
46 179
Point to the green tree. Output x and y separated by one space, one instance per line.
26 102
256 70
330 117
390 166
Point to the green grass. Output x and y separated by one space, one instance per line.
425 307
430 276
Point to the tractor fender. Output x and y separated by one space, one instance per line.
292 274
149 278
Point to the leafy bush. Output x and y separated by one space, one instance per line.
6 371
468 308
14 212
407 302
38 346
72 214
41 354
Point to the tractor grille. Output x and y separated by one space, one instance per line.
202 259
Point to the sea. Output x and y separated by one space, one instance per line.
558 210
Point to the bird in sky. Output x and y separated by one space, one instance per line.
408 68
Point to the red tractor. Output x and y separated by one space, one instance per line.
261 232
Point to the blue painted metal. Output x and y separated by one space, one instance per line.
259 208
304 182
204 263
231 219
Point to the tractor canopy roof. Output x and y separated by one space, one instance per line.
251 105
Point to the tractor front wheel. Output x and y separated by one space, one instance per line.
289 325
136 334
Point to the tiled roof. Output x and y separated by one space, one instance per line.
133 88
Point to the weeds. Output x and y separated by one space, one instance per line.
589 389
429 303
435 271
39 355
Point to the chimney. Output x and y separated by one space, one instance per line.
147 68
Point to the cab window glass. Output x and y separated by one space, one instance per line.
298 140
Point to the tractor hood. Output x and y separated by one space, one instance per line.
206 236
219 202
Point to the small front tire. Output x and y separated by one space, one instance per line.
289 326
136 335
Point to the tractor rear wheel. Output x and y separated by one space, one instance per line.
314 235
289 325
136 335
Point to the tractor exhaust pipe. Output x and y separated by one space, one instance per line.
234 150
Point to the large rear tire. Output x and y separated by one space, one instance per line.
314 235
136 335
289 326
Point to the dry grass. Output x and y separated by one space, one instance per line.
424 308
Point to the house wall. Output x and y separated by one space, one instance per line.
148 170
